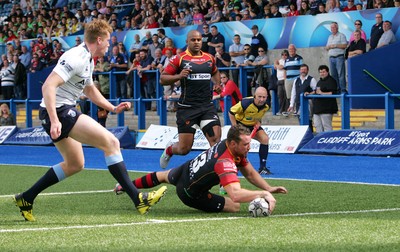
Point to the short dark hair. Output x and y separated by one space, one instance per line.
387 21
235 132
323 67
304 65
162 31
226 74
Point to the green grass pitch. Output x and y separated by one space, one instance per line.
83 214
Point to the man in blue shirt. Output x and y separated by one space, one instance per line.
292 66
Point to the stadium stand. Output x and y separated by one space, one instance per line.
123 8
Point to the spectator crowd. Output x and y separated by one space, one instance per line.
41 22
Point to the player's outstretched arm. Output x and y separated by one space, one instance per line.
239 195
255 178
123 106
97 98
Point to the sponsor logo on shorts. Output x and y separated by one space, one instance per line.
71 113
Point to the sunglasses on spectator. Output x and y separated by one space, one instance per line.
260 50
223 77
357 24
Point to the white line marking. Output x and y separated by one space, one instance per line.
64 193
339 212
153 221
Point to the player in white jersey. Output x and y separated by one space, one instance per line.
69 128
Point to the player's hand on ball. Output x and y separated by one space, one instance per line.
271 200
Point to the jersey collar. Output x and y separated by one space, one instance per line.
236 159
188 52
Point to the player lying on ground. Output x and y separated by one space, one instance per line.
218 165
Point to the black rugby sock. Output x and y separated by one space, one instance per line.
49 178
263 153
120 173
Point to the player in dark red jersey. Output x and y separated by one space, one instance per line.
218 165
196 70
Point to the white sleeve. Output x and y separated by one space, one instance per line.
313 84
343 39
69 65
329 40
231 48
293 95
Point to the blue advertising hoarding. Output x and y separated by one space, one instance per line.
355 142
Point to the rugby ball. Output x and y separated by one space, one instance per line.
259 207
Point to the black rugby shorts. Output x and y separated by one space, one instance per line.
67 115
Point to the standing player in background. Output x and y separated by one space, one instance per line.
249 112
68 128
195 69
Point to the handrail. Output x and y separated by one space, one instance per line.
345 107
140 110
378 81
304 113
139 107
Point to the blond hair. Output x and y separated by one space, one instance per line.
2 106
169 40
96 28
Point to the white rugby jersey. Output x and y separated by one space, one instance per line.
75 67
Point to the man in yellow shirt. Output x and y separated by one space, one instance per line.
249 112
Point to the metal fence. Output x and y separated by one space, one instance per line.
140 108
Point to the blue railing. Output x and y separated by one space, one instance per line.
139 102
140 108
345 107
28 108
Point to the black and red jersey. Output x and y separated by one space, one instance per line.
214 166
196 88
